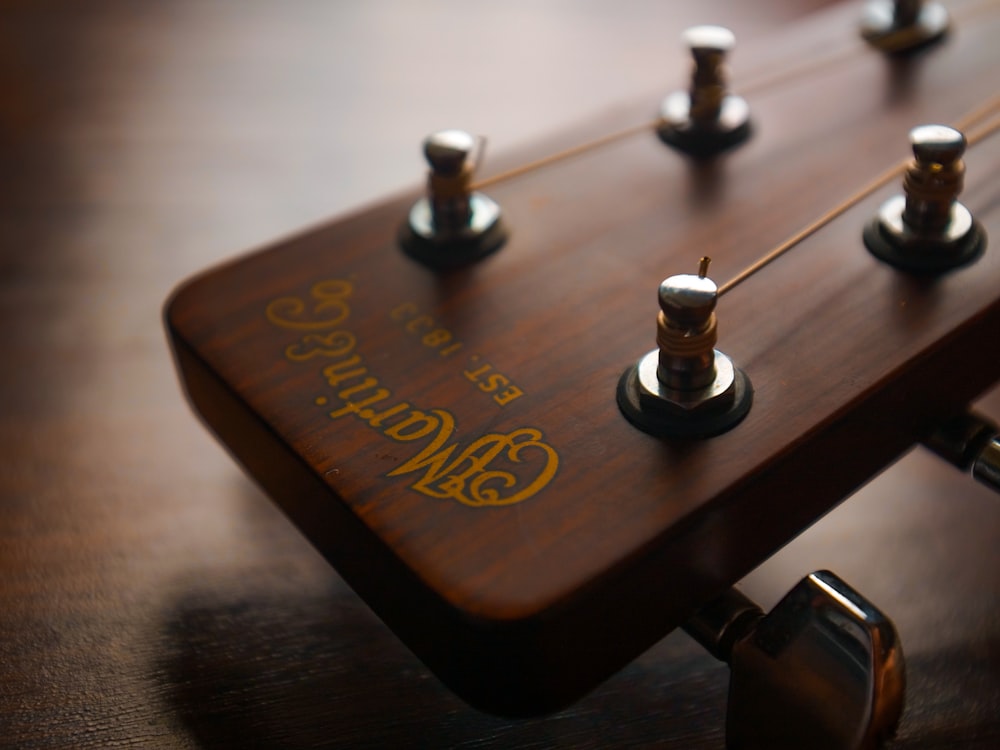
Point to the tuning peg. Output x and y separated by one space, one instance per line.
685 388
823 670
453 225
706 119
904 25
972 443
926 230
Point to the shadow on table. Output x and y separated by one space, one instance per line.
278 671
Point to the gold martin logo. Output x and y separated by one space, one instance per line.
493 470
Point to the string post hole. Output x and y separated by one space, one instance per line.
926 229
706 119
453 225
685 388
903 26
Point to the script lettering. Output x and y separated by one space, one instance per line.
495 469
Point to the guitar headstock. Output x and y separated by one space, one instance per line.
451 440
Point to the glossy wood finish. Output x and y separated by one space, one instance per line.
149 594
320 362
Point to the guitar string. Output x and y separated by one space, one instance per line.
761 82
964 123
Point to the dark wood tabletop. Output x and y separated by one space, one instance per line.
150 594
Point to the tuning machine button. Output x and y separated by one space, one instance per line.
706 119
904 25
453 225
926 230
972 443
823 670
685 388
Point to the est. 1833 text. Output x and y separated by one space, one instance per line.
483 375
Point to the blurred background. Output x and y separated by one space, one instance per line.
150 596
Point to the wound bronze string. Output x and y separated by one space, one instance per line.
969 120
756 84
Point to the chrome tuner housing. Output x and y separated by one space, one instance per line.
685 388
900 27
823 670
926 230
706 119
453 225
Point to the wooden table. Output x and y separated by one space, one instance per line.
150 595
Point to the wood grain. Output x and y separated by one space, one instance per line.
522 609
150 594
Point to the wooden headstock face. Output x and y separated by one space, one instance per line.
451 441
